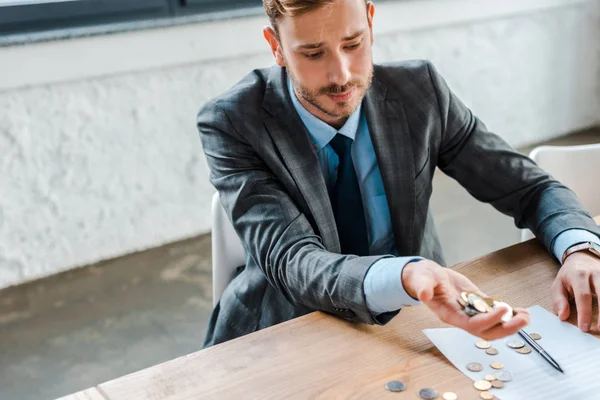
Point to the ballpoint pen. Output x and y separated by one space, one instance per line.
531 342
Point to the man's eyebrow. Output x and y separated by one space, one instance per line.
354 35
317 45
310 45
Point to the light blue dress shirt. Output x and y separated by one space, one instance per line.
382 285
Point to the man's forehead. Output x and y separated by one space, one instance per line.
334 22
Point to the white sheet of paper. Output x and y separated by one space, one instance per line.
576 352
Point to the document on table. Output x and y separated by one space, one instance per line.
577 353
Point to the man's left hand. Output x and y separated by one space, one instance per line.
579 279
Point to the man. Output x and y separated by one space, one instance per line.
324 164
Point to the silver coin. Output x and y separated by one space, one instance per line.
475 367
428 394
504 376
395 386
515 344
471 311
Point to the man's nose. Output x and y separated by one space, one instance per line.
339 71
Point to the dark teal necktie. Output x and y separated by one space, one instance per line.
347 202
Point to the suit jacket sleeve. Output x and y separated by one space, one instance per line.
494 173
274 231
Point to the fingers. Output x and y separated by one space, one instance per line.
482 322
596 283
583 301
560 300
489 325
511 327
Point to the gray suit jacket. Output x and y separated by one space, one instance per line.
262 163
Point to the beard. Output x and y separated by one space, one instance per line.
340 109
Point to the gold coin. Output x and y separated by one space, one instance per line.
462 303
535 336
497 384
465 297
523 350
486 395
449 396
497 365
490 377
483 344
492 351
480 305
482 385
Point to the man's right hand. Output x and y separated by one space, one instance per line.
439 288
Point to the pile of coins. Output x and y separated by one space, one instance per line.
495 380
474 304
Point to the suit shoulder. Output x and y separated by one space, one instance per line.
406 77
248 92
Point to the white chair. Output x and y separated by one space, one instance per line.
575 167
227 250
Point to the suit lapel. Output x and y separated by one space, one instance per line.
391 139
294 145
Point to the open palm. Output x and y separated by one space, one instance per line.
439 288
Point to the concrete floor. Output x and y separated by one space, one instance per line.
65 333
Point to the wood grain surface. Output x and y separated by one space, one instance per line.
323 357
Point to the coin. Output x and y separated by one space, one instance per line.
395 386
486 395
482 385
515 344
535 336
490 377
472 297
509 311
475 367
428 393
462 302
524 350
497 384
497 365
504 376
449 396
465 297
492 351
471 311
483 344
480 305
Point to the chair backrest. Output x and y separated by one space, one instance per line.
574 167
227 250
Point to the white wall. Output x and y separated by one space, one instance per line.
99 154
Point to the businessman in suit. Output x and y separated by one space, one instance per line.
324 164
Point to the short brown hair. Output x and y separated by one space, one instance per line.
291 8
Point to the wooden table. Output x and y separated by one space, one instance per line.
319 356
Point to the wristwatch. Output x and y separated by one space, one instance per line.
585 246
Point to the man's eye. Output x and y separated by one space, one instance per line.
313 56
353 46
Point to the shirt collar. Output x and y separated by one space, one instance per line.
320 132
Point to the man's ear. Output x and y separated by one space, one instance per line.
271 38
370 14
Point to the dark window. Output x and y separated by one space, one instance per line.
20 16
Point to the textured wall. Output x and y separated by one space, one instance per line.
94 169
529 78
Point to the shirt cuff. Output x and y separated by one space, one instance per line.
383 287
570 238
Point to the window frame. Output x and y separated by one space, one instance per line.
40 17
